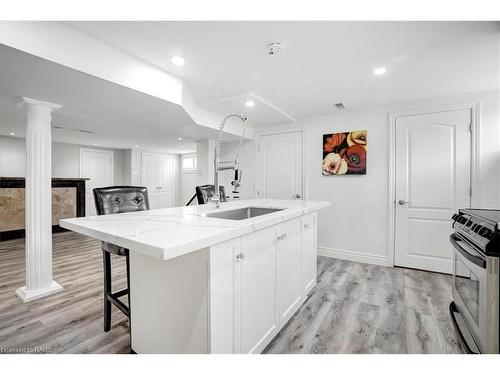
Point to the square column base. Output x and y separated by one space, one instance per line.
31 295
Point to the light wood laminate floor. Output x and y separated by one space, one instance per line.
364 308
355 308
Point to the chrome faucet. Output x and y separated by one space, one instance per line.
234 165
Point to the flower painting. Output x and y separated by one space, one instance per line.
344 153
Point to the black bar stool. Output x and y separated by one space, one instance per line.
205 192
113 200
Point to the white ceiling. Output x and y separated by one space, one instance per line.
227 63
323 63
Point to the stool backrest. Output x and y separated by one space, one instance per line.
205 192
118 199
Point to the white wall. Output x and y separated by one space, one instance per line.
65 159
355 226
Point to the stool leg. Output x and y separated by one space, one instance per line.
106 257
129 308
128 284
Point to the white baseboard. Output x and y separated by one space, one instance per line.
354 256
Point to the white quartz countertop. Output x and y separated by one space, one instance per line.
171 232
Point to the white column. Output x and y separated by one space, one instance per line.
38 201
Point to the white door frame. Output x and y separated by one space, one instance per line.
474 165
256 159
82 150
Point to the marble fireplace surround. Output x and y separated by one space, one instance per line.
68 201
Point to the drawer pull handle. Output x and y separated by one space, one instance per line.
240 257
306 226
282 237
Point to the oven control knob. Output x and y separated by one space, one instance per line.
478 228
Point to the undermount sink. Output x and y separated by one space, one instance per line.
243 213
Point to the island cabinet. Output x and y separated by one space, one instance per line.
257 283
232 297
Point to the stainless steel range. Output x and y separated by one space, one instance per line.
475 307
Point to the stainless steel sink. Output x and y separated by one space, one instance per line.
243 213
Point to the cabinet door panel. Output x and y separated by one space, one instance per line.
308 253
222 297
257 290
288 269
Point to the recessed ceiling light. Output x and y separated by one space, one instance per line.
177 60
179 139
379 71
250 103
12 133
95 144
136 146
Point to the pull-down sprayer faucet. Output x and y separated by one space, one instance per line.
227 165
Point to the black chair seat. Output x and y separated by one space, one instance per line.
113 200
205 192
114 249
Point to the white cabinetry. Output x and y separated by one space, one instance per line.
308 253
257 282
257 290
288 269
223 287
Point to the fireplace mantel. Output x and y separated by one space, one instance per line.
68 200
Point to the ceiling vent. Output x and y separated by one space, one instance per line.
340 106
85 131
58 127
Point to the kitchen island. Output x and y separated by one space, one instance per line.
205 284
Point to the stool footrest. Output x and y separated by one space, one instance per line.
113 298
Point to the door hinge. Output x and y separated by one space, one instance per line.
258 192
470 127
470 192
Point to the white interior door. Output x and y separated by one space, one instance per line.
166 182
433 172
158 177
98 166
279 173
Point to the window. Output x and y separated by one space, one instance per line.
189 163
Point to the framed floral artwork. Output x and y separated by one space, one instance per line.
345 153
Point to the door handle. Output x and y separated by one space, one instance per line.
297 196
240 257
402 202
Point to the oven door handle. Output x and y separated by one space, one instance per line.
477 260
